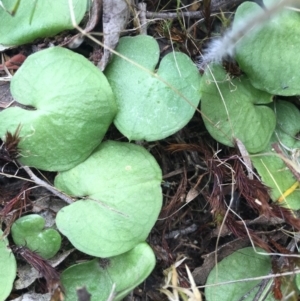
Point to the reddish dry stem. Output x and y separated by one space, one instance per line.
41 265
9 150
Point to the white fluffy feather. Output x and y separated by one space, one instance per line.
224 47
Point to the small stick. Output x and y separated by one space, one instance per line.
216 6
142 17
44 184
169 15
185 231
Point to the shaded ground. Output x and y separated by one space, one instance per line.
201 178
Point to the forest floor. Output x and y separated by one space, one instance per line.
201 177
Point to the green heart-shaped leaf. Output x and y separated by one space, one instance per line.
271 167
242 264
148 107
73 107
8 268
126 271
121 183
36 19
232 108
29 231
269 55
297 281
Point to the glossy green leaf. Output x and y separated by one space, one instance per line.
36 19
148 107
30 231
8 268
232 109
270 54
242 264
271 167
126 271
121 183
71 105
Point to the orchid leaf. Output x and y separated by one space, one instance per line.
269 54
120 183
152 105
69 106
30 231
233 109
23 21
126 271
